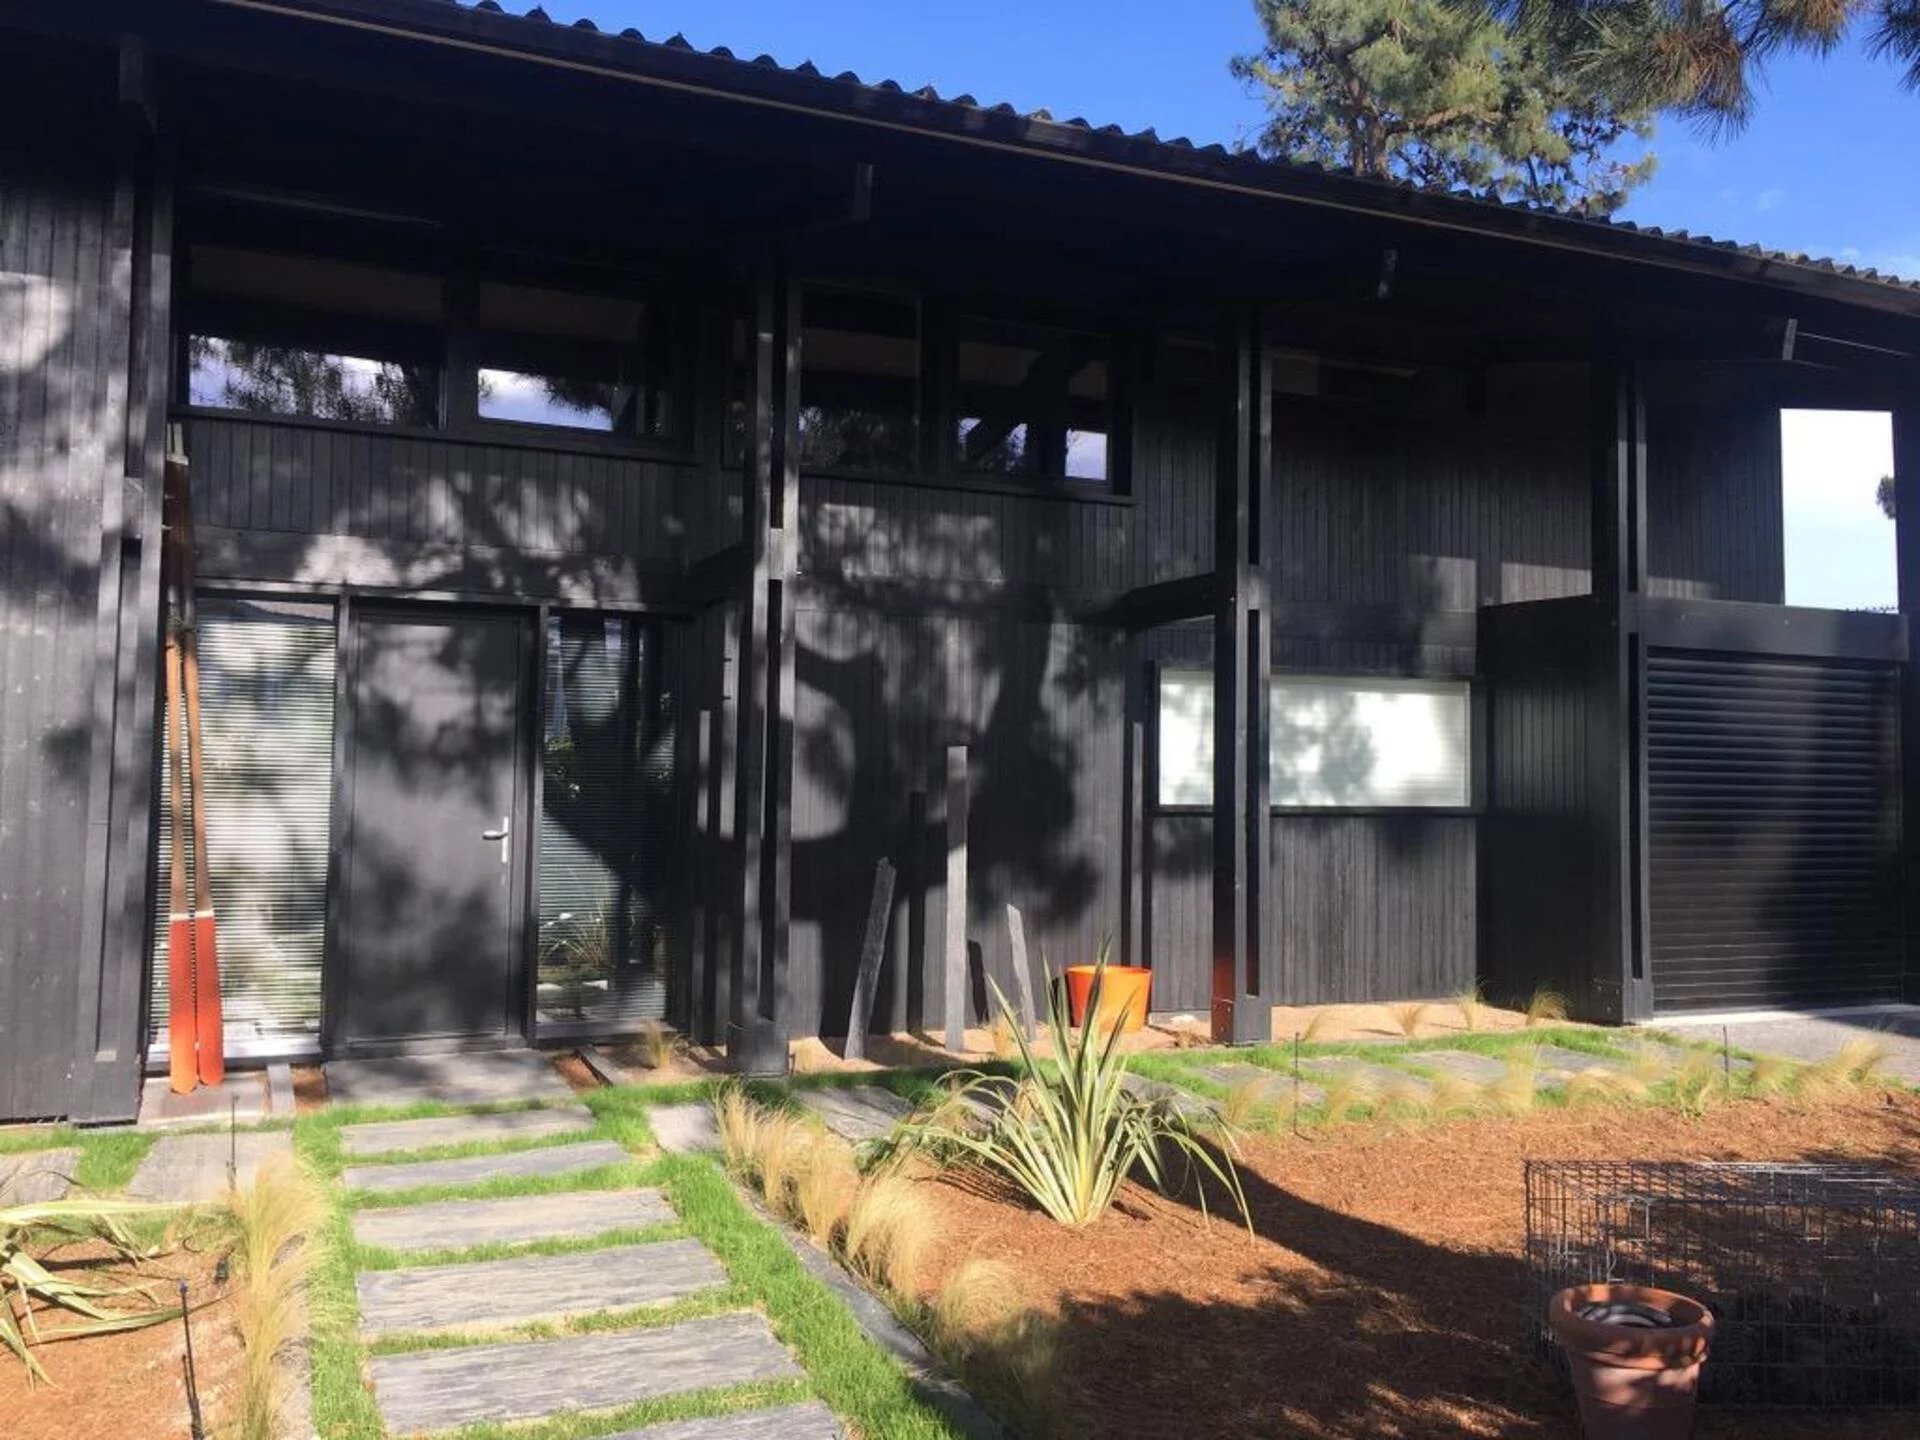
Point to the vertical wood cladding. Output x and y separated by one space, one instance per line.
67 230
880 697
1715 526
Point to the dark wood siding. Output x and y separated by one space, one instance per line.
75 650
1715 526
880 698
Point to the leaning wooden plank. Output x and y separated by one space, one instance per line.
1017 940
872 949
423 1391
489 1294
956 948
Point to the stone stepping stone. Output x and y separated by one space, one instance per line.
684 1129
1557 1062
492 1293
192 1169
37 1176
1676 1056
862 1112
811 1421
460 1224
394 1136
1192 1107
1379 1079
1276 1087
476 1169
1467 1064
489 1077
427 1390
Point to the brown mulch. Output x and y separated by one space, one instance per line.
309 1089
574 1071
1380 1294
132 1383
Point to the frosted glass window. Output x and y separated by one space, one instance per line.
1333 743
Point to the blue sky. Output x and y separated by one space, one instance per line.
1825 167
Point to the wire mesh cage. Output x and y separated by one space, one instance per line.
1812 1271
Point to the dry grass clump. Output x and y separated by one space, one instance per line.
1698 1080
1453 1095
1472 1007
1854 1064
1316 1023
1249 1105
1603 1087
1410 1015
889 1235
823 1190
1407 1096
1649 1068
1772 1075
1546 1006
1006 1043
1518 1087
271 1220
738 1120
1008 1352
1344 1091
656 1045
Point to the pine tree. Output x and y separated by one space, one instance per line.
1445 96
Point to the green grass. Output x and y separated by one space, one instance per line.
107 1158
376 1257
845 1369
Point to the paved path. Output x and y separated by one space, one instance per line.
684 1129
423 1389
192 1169
490 1077
1818 1037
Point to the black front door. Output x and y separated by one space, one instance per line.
434 828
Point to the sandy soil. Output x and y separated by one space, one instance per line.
129 1384
1379 1295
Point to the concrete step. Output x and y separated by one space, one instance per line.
477 1169
393 1137
430 1390
458 1224
493 1293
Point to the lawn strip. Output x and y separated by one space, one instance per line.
599 1177
717 1301
378 1257
694 1405
850 1373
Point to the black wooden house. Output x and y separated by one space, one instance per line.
625 477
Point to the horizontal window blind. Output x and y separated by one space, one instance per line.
605 827
266 701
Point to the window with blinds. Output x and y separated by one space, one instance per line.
605 827
266 706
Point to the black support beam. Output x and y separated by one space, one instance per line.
1906 495
1242 662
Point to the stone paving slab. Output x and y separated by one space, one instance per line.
516 1220
861 1112
684 1129
192 1169
429 1390
1677 1055
1467 1064
1555 1061
1186 1104
521 1164
491 1293
488 1077
37 1176
391 1137
241 1099
811 1421
1275 1086
1379 1079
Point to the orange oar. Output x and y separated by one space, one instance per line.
206 964
182 1067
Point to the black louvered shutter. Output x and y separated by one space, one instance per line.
1774 830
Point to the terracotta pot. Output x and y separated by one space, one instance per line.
1123 993
1635 1381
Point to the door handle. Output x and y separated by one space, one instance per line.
504 835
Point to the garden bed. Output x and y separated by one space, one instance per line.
1380 1294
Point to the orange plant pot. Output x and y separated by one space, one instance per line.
1123 993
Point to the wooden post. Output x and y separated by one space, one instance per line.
1143 693
913 1012
956 946
1906 523
1017 943
872 949
1618 987
1241 666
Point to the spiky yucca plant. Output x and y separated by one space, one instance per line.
1070 1133
47 1226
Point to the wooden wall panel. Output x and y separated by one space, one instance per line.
880 697
1715 526
64 360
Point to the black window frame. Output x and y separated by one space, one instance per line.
1121 361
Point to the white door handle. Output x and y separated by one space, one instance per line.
504 835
